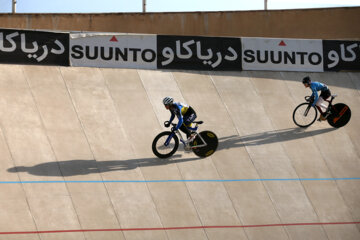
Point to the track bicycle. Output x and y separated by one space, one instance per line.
166 143
337 115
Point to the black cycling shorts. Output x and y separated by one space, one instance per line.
189 116
325 94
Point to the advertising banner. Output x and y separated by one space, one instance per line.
113 50
198 53
282 54
34 47
341 55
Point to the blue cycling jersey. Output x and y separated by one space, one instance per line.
179 109
315 87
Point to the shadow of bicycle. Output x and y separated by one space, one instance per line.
85 167
269 137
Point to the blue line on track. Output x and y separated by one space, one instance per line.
189 180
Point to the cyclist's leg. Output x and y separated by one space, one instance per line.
322 108
189 117
324 96
321 103
185 130
321 118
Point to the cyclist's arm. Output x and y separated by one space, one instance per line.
180 118
172 117
315 96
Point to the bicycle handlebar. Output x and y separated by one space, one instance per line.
309 99
167 124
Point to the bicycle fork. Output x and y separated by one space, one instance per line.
167 142
307 110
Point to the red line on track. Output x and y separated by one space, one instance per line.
180 228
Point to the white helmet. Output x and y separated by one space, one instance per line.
168 100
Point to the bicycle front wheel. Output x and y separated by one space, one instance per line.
162 149
304 115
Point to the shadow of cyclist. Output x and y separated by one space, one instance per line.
269 137
85 167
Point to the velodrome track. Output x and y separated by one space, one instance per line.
76 160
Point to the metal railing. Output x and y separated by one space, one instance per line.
143 5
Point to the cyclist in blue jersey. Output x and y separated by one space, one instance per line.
184 113
318 100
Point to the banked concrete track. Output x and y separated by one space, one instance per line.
76 160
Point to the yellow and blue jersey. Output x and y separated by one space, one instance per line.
178 110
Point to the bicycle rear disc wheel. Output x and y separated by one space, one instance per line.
340 115
212 143
159 148
304 115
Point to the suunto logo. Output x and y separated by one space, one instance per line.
113 53
281 57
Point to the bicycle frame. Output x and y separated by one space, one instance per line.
177 132
329 106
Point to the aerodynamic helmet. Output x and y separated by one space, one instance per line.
168 100
306 80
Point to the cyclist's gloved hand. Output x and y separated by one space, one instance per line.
167 124
312 98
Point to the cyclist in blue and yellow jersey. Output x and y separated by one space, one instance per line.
318 100
184 113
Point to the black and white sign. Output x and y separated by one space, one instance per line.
198 53
341 55
282 54
34 47
115 51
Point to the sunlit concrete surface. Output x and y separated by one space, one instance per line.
76 159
